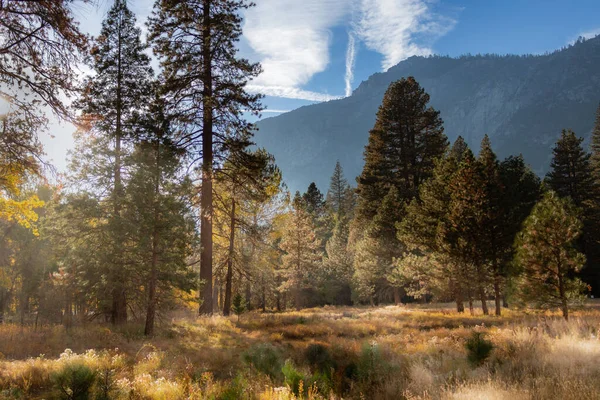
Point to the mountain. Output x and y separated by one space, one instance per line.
521 102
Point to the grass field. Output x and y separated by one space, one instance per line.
410 352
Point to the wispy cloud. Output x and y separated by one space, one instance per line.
291 38
274 111
586 35
350 62
290 92
398 29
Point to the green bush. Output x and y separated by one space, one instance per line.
265 358
478 348
293 377
319 359
74 381
372 368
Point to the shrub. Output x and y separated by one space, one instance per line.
319 359
372 368
265 358
293 378
74 381
478 348
238 305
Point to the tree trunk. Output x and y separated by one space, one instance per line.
396 295
229 276
563 297
484 306
206 240
152 298
497 295
119 296
216 302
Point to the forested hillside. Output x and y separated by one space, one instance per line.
518 101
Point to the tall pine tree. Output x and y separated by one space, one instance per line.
406 139
196 43
111 102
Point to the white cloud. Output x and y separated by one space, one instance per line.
350 61
292 38
398 29
586 35
274 111
290 92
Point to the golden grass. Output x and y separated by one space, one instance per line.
419 354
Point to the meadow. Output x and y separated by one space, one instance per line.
393 352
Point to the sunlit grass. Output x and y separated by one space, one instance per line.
419 354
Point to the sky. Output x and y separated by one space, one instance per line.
319 50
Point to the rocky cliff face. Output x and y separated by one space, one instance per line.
522 103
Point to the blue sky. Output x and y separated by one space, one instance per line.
315 50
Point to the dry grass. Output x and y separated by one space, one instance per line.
375 353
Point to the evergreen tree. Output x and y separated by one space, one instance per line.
426 217
314 201
570 171
571 175
111 102
302 256
246 179
548 257
196 42
406 139
464 236
374 259
340 196
337 265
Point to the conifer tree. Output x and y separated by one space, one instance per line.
570 171
464 236
406 139
571 176
340 196
426 217
338 265
547 254
111 104
302 254
196 43
374 259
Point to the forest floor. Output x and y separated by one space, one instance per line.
393 352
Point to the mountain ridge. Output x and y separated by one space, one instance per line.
521 101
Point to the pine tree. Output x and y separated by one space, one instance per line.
157 210
302 255
337 264
314 201
406 139
467 217
374 259
111 102
547 254
340 196
571 174
248 178
196 42
426 217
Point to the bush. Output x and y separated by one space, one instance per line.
478 348
319 359
265 358
372 368
74 381
293 378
